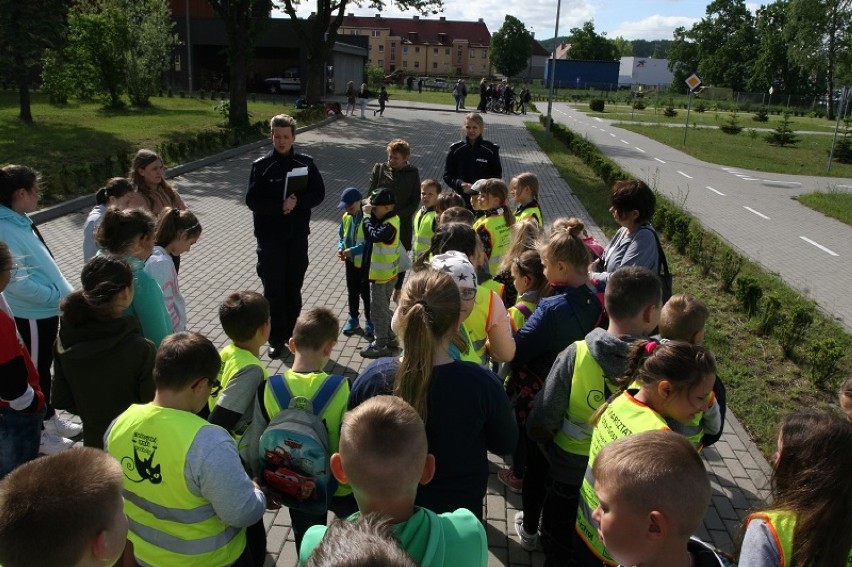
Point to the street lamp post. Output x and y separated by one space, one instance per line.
553 69
188 49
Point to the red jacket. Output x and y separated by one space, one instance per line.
19 387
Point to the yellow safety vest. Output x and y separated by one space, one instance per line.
518 317
469 354
234 359
424 221
782 525
525 213
347 221
587 395
169 525
384 261
624 416
477 322
500 236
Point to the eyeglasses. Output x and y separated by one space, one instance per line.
468 293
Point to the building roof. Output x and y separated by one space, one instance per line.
537 48
423 31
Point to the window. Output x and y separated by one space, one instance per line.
381 48
435 51
434 64
417 64
472 53
393 51
381 63
377 33
447 51
485 54
405 49
405 64
353 31
459 56
416 50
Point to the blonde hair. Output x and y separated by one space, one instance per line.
477 118
283 121
683 316
401 147
569 224
497 188
526 234
527 179
566 245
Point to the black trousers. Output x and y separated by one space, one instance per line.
358 289
281 267
39 336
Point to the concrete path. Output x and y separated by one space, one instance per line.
753 211
345 150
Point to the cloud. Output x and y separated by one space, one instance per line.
652 27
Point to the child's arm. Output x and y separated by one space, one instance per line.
237 398
341 244
251 439
501 345
377 231
485 237
720 397
149 306
550 403
14 387
711 421
759 547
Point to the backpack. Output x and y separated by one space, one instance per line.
294 448
663 269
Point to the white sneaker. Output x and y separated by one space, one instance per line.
62 427
528 542
52 443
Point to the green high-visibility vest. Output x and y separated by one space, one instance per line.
782 525
384 261
500 235
424 223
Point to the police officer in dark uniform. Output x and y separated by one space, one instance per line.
282 225
471 159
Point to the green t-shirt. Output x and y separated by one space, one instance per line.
453 539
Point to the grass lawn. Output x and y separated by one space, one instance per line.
762 384
749 151
434 97
835 204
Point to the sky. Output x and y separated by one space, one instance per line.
630 19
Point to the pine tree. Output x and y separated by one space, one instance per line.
783 135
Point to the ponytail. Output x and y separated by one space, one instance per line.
102 278
118 229
565 244
173 222
115 187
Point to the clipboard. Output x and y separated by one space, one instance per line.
296 182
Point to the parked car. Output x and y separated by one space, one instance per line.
394 78
436 84
289 81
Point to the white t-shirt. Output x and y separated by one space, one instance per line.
161 267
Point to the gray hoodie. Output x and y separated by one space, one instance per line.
610 352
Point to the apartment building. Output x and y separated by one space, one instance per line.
423 47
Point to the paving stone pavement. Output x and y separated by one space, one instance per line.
345 150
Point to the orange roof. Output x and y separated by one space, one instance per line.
423 31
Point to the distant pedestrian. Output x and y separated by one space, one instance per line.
420 85
350 98
462 92
483 96
363 97
457 94
383 98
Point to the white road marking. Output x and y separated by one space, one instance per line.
598 119
639 149
715 191
844 186
761 215
613 135
625 142
685 175
777 182
659 160
820 246
750 179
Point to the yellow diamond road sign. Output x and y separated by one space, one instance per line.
693 81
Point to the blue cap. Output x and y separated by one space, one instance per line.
349 196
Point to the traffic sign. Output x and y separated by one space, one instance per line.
693 81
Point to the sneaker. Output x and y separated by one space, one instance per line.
51 443
62 427
393 342
369 330
351 327
513 483
528 542
374 351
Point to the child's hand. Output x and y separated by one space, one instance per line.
347 254
340 255
368 209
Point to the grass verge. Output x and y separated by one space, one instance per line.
764 383
835 204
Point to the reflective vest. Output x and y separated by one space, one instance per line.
384 261
234 359
476 324
169 525
469 354
307 385
517 315
353 237
531 209
424 228
782 525
500 236
694 430
587 395
624 416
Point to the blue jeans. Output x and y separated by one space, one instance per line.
20 435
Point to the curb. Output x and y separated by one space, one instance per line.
77 203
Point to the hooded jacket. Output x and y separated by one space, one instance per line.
101 369
39 286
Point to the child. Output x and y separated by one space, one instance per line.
177 231
350 250
531 286
595 248
118 192
683 318
524 191
149 177
446 200
21 400
314 335
383 456
494 226
526 235
559 420
176 463
130 234
369 542
244 316
846 398
809 522
674 381
383 99
425 218
79 508
653 492
102 363
383 248
457 214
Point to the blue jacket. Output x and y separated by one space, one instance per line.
38 287
148 304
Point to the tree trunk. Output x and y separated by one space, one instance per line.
25 113
315 84
238 105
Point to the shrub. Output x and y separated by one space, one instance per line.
748 293
670 109
700 106
597 104
793 326
202 94
761 116
823 358
708 255
680 238
732 124
783 135
770 314
843 147
639 104
695 244
729 267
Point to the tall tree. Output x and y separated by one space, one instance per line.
683 58
623 47
820 38
726 43
587 44
319 32
510 47
27 28
772 67
244 20
150 42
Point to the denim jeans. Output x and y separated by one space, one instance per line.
20 435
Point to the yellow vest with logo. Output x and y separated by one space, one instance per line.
424 221
307 385
624 416
348 221
587 395
477 322
782 525
169 525
526 213
234 359
501 238
384 261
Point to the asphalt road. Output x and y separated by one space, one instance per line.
753 211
